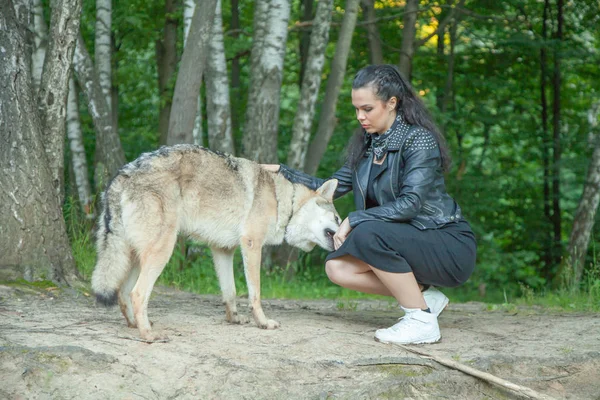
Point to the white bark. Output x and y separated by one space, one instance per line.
102 49
80 167
310 85
40 42
583 223
54 86
189 6
334 84
268 51
217 84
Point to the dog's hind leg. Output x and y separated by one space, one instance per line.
251 252
125 294
223 259
152 261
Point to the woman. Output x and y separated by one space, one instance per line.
407 234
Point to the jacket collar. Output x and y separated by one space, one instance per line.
391 140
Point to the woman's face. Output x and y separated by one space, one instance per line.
374 115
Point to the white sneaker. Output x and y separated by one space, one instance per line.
417 326
436 300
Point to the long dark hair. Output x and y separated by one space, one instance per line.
387 82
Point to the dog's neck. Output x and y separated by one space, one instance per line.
286 198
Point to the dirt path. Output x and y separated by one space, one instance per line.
59 345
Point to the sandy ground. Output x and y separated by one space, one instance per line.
57 344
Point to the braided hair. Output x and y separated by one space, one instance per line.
387 82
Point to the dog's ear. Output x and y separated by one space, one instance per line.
328 189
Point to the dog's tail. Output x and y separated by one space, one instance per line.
114 253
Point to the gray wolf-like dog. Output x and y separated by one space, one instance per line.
213 198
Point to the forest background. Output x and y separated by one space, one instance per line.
514 86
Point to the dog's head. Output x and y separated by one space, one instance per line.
314 220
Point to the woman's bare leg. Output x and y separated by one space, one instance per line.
352 273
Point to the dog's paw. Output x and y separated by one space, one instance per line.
271 324
238 319
155 338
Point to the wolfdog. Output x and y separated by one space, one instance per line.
213 198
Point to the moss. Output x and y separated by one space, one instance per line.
35 284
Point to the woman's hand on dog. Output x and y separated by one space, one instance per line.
341 234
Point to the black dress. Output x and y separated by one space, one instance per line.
442 257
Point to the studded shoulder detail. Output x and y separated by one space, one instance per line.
422 139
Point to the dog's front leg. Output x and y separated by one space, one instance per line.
251 253
223 259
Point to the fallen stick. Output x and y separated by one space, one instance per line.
523 390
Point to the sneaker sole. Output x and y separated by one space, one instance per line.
430 340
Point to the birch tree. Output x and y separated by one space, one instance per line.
583 223
103 49
33 239
166 64
217 84
189 6
266 66
310 85
334 84
109 153
189 78
78 160
54 85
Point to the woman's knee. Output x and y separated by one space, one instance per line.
334 270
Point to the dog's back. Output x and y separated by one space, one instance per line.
183 188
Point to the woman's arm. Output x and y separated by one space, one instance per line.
343 175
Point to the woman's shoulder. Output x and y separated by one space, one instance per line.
420 138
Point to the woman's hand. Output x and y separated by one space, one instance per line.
341 234
270 167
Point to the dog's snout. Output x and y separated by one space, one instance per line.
329 232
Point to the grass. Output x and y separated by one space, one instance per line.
308 280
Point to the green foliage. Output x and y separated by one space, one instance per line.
492 121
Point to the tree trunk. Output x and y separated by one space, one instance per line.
305 35
80 167
235 67
310 85
54 86
334 84
189 78
375 50
166 63
407 48
268 51
583 223
556 83
109 153
217 83
189 6
33 238
549 247
40 43
103 49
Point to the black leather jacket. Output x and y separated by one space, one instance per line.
410 188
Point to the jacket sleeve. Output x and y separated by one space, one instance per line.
343 175
422 161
